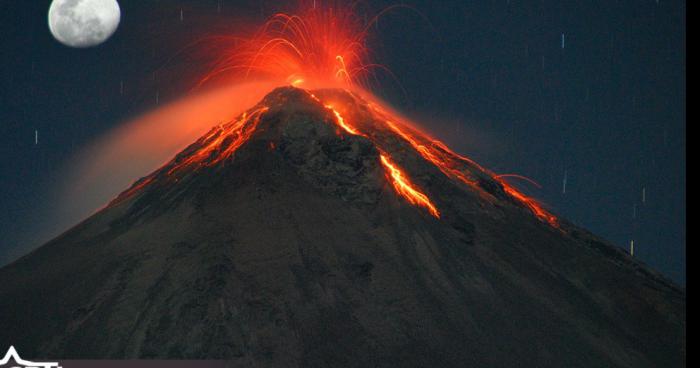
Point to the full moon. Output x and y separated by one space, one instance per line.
83 23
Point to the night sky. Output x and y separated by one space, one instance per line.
607 111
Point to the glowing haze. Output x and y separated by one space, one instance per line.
318 46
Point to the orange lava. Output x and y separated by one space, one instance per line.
338 118
439 158
452 165
341 122
530 203
447 161
400 181
213 148
405 188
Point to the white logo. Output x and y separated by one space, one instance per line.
12 354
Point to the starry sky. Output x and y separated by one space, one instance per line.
591 92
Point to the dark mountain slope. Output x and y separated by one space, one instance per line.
287 245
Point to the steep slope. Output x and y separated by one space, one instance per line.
318 230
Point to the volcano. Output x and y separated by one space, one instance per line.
318 229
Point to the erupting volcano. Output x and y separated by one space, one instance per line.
381 130
321 228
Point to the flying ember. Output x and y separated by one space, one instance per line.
319 45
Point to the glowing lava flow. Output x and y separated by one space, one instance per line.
451 164
441 160
535 207
405 188
338 118
215 146
213 141
400 181
341 122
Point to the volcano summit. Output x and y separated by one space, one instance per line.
318 229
